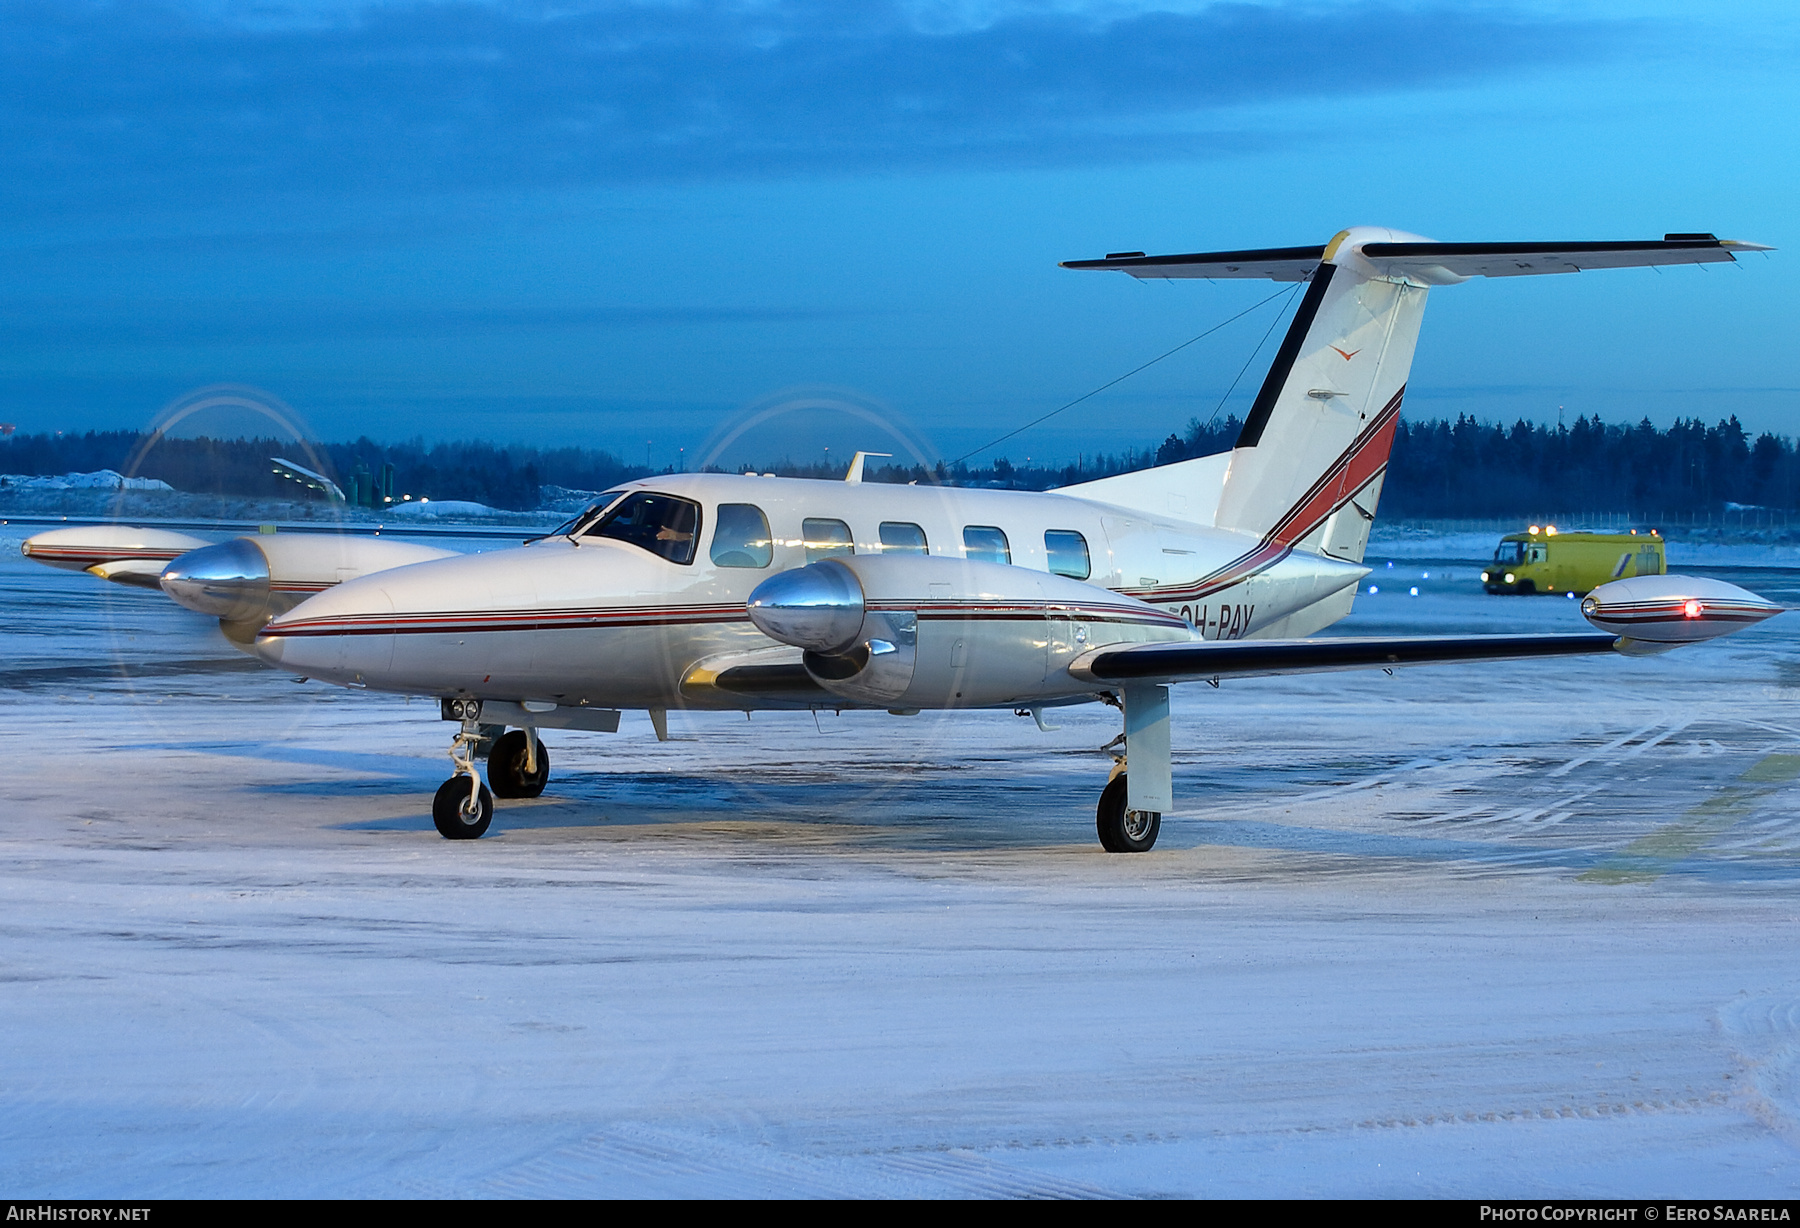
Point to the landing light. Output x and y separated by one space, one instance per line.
1373 589
1414 590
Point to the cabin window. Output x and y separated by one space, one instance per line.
986 543
1537 553
662 524
899 537
742 537
1067 553
826 539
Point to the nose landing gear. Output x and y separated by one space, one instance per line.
463 808
518 765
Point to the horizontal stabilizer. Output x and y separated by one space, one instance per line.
1431 263
1270 263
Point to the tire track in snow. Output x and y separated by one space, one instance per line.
1767 1035
642 1161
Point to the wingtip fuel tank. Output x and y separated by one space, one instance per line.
1652 614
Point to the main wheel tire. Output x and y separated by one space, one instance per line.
458 818
1122 830
506 767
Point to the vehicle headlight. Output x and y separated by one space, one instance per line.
1485 577
1510 578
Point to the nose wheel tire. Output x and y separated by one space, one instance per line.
506 767
457 815
1122 830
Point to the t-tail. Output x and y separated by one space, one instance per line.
1307 470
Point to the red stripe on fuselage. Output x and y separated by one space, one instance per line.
523 620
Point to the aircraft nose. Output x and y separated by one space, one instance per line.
228 581
819 608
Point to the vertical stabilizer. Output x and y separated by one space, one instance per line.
1307 469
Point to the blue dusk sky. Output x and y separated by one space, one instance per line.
692 230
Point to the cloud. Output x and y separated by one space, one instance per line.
115 101
262 323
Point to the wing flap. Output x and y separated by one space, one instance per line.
1209 660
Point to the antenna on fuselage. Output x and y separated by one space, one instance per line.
856 465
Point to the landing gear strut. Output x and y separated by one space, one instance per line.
463 808
1131 806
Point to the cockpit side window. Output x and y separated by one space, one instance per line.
662 524
741 536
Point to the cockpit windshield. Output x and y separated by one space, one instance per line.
1510 554
587 514
662 524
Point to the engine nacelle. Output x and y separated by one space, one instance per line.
121 553
911 631
249 580
1652 614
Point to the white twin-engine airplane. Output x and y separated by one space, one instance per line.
725 592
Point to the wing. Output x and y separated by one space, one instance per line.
1211 660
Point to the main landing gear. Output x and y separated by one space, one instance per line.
1131 806
1123 830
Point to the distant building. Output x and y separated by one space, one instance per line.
307 478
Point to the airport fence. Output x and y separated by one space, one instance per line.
1729 521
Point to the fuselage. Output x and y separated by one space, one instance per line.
596 620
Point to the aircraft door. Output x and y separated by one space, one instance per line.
1134 554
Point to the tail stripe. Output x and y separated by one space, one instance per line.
1360 464
1252 433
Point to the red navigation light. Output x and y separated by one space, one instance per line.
1692 608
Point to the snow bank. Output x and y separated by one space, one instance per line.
439 509
104 479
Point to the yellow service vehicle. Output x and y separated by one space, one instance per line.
1545 561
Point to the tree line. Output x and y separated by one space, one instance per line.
1438 468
